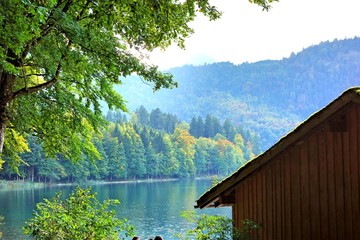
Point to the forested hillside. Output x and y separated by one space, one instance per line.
233 112
267 97
149 145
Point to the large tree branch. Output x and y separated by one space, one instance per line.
53 81
28 90
33 74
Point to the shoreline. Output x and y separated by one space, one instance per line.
23 184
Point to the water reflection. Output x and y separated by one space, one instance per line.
154 208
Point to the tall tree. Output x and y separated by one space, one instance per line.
204 148
229 130
212 126
169 163
135 153
156 119
116 158
185 151
200 126
152 162
32 158
60 58
143 115
194 131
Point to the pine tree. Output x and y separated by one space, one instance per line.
143 115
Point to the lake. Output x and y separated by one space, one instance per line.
152 207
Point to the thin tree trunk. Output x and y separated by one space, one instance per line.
2 136
2 113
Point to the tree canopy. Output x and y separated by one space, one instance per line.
60 58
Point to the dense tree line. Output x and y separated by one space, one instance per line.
148 145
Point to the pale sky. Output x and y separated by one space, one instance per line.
245 33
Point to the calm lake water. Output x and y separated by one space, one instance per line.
152 207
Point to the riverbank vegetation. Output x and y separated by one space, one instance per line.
80 216
150 145
216 228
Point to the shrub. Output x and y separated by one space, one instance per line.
208 227
81 216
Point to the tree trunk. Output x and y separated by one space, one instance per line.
2 135
6 96
31 173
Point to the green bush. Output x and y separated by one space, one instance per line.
81 216
208 227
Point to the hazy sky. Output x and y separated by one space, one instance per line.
246 33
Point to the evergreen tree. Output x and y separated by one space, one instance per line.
170 123
145 136
152 162
134 151
217 126
116 133
99 169
51 170
116 158
156 119
200 127
209 127
33 158
143 115
76 171
229 130
194 128
169 164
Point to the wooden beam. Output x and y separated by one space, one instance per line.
227 199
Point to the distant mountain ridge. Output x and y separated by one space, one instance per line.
268 97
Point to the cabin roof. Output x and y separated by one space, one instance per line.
222 193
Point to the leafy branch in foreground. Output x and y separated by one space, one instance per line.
208 227
60 60
80 216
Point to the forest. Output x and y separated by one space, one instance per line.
269 97
221 115
149 145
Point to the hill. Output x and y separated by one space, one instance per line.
268 97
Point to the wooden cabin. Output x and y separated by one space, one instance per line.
307 186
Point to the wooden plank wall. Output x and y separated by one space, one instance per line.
310 191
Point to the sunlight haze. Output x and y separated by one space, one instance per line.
245 33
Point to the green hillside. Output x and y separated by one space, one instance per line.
267 97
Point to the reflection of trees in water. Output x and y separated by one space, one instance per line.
152 207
